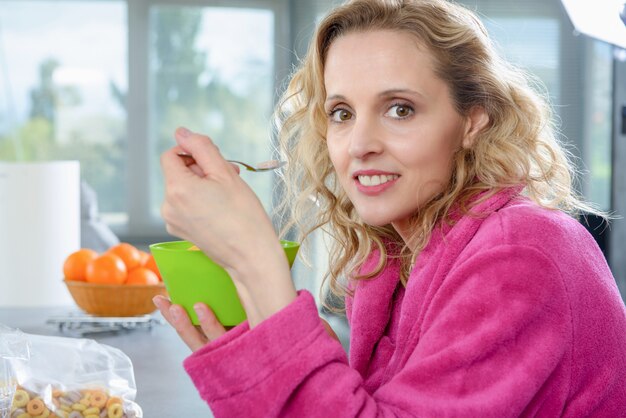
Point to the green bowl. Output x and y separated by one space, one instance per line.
191 277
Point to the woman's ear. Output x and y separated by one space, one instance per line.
477 120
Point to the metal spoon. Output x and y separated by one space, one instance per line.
262 166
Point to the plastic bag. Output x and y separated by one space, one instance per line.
64 377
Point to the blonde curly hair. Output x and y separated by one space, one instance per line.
518 147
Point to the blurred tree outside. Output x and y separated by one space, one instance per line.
184 91
188 92
39 139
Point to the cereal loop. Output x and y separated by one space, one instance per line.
24 415
91 411
112 400
98 399
35 406
79 407
75 414
45 414
92 416
115 411
20 398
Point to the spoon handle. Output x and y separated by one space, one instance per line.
264 166
246 166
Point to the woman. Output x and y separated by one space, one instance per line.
471 291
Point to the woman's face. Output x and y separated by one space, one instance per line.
392 128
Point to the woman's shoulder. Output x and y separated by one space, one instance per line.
529 233
524 230
525 223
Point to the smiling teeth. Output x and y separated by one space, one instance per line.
376 180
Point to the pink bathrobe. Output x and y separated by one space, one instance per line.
512 315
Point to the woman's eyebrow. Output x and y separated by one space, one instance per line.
392 92
385 93
334 97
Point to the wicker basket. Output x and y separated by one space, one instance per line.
115 300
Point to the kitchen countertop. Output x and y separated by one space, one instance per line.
163 388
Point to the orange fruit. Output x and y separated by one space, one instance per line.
143 258
75 265
141 275
129 254
151 265
107 269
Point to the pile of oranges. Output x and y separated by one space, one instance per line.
122 264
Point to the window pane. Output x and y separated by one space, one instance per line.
537 44
532 43
211 70
62 88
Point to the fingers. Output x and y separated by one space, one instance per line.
210 327
163 305
202 148
204 151
185 329
196 170
208 321
191 162
174 166
176 316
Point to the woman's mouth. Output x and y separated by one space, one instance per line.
376 179
373 183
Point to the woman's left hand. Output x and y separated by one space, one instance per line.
195 337
210 328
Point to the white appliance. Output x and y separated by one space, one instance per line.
39 228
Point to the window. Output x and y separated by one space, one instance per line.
106 82
211 69
63 84
532 43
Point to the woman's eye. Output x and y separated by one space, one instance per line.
340 115
399 111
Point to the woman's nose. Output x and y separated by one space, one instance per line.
365 139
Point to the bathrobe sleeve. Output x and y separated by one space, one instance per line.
489 344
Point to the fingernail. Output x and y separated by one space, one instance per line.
199 311
183 132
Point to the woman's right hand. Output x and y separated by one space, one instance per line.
217 210
211 206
